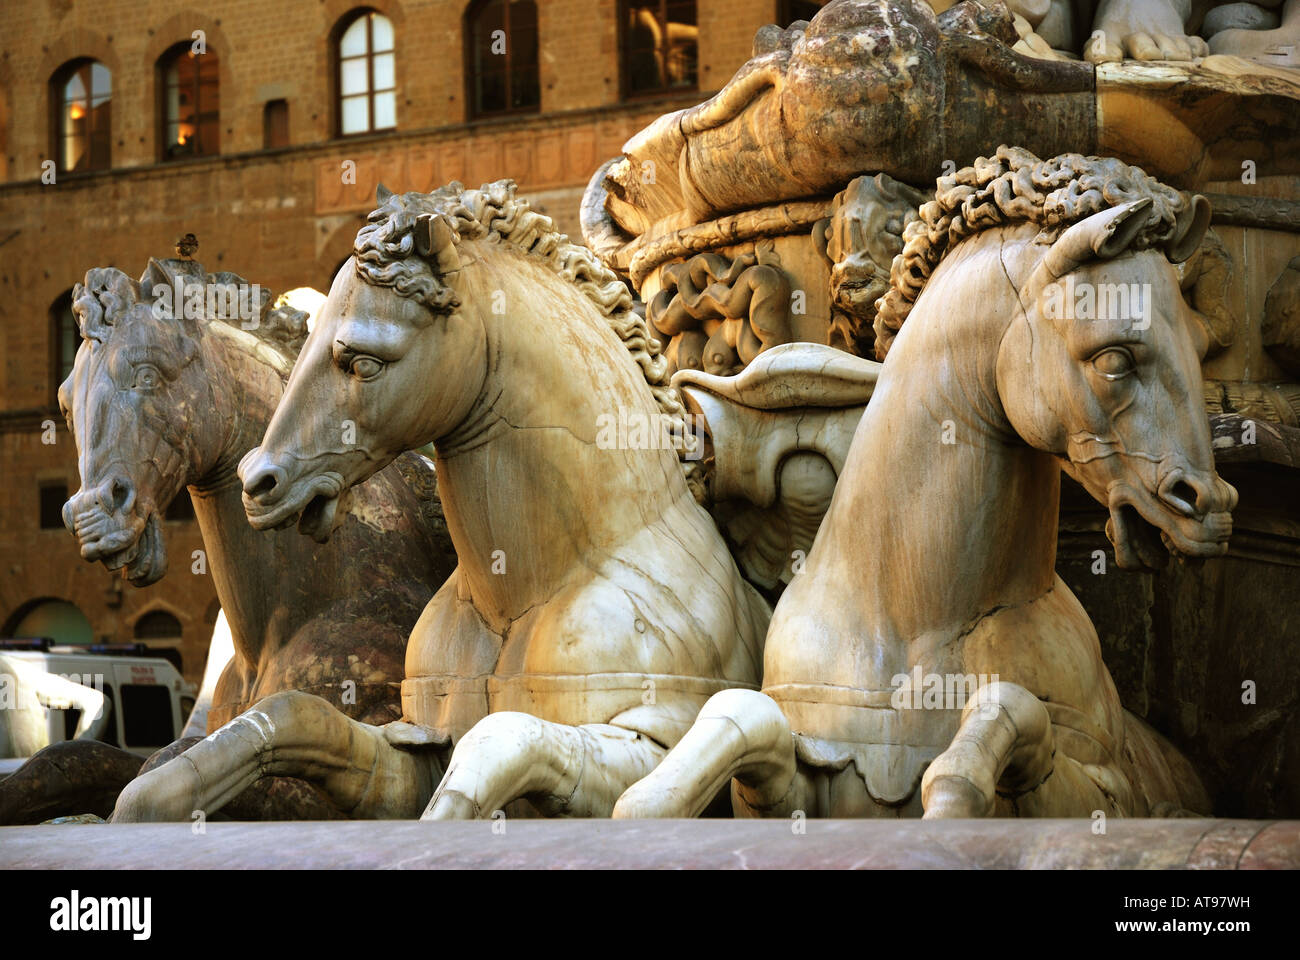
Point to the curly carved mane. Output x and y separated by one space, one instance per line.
386 256
1014 186
108 295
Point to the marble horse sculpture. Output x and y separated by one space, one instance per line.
595 607
159 404
156 405
936 556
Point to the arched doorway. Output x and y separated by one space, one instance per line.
50 617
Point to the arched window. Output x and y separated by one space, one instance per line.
502 39
65 337
191 103
81 93
366 74
792 10
660 46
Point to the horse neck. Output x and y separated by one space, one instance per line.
529 495
941 532
243 395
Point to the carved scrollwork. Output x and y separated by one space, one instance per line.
717 314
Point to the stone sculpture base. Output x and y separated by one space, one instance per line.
661 844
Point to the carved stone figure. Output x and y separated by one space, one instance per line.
886 86
734 172
604 645
160 404
939 544
595 607
776 436
860 239
157 404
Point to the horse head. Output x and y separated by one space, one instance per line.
132 403
394 362
1103 369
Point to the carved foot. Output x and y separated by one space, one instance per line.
738 733
1141 30
1276 48
1005 739
561 770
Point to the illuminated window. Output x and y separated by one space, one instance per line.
191 103
659 47
366 76
502 39
82 96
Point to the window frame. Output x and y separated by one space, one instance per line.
58 83
472 110
624 66
342 26
164 63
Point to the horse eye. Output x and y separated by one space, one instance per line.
366 368
1114 363
146 377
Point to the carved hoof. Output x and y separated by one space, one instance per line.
451 805
949 797
168 793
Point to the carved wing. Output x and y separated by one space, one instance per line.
776 436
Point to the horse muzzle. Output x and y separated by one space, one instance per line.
1189 514
111 528
274 500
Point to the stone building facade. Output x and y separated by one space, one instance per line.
264 130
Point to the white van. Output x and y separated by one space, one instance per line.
143 699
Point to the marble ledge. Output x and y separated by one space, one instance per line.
660 844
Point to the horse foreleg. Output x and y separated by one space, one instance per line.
1005 740
739 734
290 734
565 771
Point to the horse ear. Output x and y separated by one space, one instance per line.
434 239
383 194
1110 232
1100 236
1189 231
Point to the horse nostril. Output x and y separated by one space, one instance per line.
263 483
1182 496
115 496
